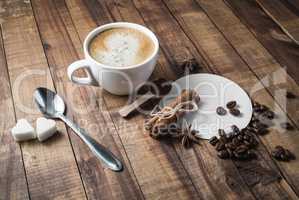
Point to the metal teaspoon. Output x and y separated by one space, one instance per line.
52 106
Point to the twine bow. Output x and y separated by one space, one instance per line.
168 112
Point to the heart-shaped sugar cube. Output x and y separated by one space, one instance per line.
23 131
45 128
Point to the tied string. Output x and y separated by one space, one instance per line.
169 112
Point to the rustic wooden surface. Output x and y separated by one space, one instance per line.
246 41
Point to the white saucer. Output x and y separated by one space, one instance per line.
214 91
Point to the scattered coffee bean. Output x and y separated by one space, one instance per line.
223 154
213 141
235 129
235 141
231 104
221 133
287 126
282 154
269 114
240 138
221 111
220 146
230 146
260 108
235 112
290 154
291 95
241 149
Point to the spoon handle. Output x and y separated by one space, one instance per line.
99 150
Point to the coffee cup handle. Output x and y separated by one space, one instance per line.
81 64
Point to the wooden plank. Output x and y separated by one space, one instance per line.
50 166
13 183
283 17
292 5
224 58
208 184
265 30
157 168
57 30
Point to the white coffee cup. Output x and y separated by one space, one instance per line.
116 80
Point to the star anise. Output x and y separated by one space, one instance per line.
190 66
188 135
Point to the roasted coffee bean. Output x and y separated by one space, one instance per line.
247 143
260 109
269 114
249 133
279 149
221 111
240 138
213 141
220 146
231 104
255 124
254 142
287 126
235 141
275 154
229 136
283 157
282 154
290 154
252 130
254 121
235 129
230 153
235 112
230 146
290 95
257 109
246 137
241 149
223 154
221 133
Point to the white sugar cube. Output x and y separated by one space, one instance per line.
23 131
45 128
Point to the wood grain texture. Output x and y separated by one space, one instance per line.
263 27
50 166
86 106
13 183
283 17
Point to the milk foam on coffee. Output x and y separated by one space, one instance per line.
121 47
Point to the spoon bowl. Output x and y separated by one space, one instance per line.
49 103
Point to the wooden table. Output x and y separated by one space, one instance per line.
241 40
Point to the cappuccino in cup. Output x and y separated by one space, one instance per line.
121 47
119 57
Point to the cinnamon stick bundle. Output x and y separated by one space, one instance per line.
159 126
